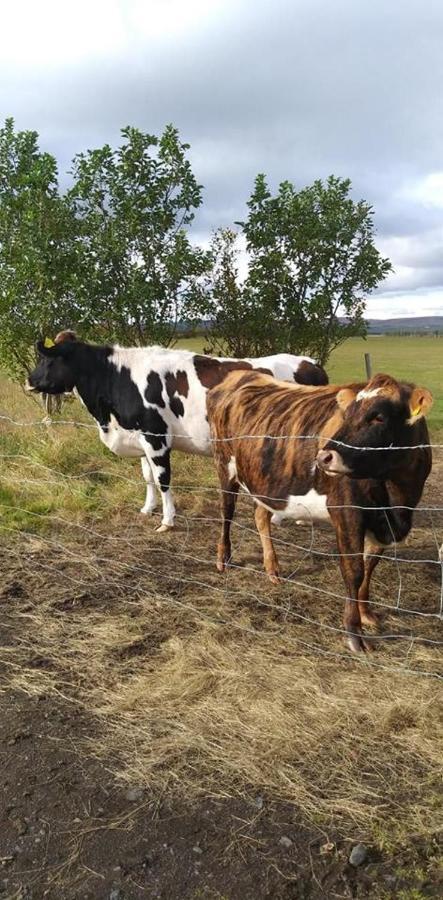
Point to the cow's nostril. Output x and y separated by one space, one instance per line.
327 458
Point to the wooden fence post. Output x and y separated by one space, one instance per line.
368 365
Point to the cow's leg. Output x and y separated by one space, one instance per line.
158 453
263 523
372 556
229 492
350 541
151 496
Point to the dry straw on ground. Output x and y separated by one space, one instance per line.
196 684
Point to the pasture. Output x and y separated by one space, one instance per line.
131 669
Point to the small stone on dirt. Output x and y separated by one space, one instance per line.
115 894
285 841
197 849
134 794
21 826
358 855
327 848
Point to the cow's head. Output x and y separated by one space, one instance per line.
381 415
55 372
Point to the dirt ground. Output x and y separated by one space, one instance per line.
68 831
70 827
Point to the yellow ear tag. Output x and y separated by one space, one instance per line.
416 411
49 343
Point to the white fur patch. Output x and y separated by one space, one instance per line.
121 441
310 507
283 365
232 468
366 395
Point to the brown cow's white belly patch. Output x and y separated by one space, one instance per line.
310 507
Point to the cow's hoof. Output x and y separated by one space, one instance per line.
274 577
147 510
221 566
359 644
162 528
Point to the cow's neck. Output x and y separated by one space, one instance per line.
405 487
95 382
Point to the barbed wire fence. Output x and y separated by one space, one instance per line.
100 564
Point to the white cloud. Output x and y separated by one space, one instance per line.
414 303
428 190
54 35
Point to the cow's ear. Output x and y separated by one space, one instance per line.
420 403
345 397
44 348
55 350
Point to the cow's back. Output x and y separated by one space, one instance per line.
271 429
288 367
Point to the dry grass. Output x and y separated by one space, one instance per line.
197 685
202 684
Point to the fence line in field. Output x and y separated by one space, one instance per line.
150 570
186 557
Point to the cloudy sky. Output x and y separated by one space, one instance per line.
297 89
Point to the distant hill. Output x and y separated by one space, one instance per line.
406 325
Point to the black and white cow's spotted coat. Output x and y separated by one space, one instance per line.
147 401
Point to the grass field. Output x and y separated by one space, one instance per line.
200 684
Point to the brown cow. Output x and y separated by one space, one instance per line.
283 444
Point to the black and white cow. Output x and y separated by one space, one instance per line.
148 401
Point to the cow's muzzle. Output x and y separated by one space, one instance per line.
330 462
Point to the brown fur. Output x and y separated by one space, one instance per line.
66 335
211 372
310 373
177 383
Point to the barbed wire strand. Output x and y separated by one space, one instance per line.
234 437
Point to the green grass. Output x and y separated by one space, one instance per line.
408 358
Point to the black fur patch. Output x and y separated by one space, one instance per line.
165 476
153 392
177 407
154 429
176 384
268 455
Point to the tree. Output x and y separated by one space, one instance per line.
311 264
37 267
141 275
234 329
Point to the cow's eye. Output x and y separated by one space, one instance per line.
378 419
